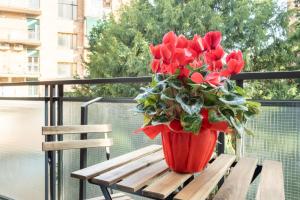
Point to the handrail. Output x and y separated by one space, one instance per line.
144 79
83 136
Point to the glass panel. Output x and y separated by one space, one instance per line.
33 28
90 23
66 40
277 137
123 121
22 161
33 60
67 9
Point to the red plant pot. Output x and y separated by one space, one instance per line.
186 152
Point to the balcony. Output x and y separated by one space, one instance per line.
25 71
276 134
26 37
28 7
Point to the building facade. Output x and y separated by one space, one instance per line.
46 39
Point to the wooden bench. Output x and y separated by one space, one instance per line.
80 144
144 172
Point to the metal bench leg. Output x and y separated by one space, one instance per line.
105 193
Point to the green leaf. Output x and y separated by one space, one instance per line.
241 107
158 88
163 118
240 91
167 94
191 123
196 86
159 77
214 116
228 112
232 99
147 120
176 83
210 99
139 108
161 105
229 85
149 102
150 110
237 126
189 104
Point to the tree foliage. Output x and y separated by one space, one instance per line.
119 45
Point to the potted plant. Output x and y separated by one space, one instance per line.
191 98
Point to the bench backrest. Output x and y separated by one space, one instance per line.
76 144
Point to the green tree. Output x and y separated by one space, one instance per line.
119 45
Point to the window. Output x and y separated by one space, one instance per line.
93 8
65 70
33 61
90 23
67 9
106 3
34 4
33 28
67 40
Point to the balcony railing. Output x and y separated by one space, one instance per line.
29 4
276 133
15 34
20 71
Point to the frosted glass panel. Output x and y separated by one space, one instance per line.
21 158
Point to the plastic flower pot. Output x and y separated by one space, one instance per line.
188 153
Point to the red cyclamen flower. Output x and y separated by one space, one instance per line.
235 63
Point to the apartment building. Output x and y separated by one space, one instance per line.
46 39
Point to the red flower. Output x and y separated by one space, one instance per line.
170 38
182 42
196 44
214 55
166 52
213 78
196 63
184 72
155 50
171 68
197 78
215 66
156 66
183 56
212 40
235 63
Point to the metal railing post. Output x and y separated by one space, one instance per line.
46 139
60 94
52 154
83 152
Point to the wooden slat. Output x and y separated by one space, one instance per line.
237 183
139 179
56 130
167 184
97 169
164 186
115 196
203 184
271 184
121 172
76 144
